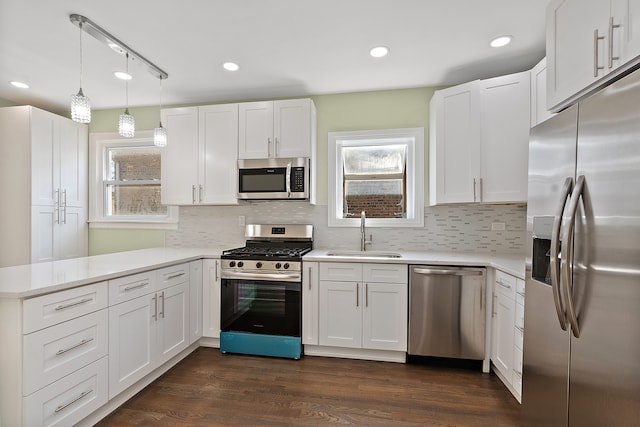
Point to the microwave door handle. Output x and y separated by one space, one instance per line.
288 178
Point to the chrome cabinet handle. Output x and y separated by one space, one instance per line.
162 296
72 401
268 147
64 206
57 205
448 272
155 307
200 193
612 26
73 304
366 295
501 283
276 147
474 190
481 189
567 256
132 287
493 305
554 268
81 343
596 38
193 194
217 270
173 276
357 294
310 268
288 178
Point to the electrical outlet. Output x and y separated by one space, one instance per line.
241 220
498 226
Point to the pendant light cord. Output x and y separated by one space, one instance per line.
126 87
160 101
80 26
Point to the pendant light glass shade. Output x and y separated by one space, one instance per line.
160 133
127 124
80 107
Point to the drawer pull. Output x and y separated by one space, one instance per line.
71 402
132 287
173 276
81 343
518 373
501 283
73 304
521 294
520 328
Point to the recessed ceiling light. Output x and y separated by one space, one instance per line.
20 85
501 41
230 66
379 51
122 75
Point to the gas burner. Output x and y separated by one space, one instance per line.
274 243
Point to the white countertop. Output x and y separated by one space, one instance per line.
30 280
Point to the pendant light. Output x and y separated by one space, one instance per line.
80 107
126 124
160 133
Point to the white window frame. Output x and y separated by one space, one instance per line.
98 143
414 138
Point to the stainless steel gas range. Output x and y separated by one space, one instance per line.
261 292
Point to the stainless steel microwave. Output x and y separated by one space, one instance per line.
273 179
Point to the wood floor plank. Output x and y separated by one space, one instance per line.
209 388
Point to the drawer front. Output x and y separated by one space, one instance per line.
517 370
505 284
519 325
341 271
70 399
520 291
52 353
385 273
47 310
129 287
173 275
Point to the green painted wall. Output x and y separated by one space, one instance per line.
6 103
401 108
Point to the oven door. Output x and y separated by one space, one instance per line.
267 307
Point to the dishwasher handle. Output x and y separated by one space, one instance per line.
448 272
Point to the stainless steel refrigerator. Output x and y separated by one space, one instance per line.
582 306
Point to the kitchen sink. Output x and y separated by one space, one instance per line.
365 254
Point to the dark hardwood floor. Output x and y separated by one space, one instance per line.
209 388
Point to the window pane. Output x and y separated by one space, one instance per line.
130 164
374 159
379 198
139 199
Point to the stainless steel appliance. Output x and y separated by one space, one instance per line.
447 311
582 310
274 178
261 291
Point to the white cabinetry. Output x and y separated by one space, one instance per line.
211 300
588 42
199 162
508 330
283 128
195 300
539 111
44 158
479 141
310 298
363 306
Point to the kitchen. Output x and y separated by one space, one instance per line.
479 228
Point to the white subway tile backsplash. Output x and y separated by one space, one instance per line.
464 228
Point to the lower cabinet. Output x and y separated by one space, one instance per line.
211 298
310 297
363 306
195 300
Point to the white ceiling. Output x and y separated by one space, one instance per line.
284 47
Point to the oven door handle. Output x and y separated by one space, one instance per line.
290 277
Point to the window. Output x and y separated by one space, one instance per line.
379 172
127 183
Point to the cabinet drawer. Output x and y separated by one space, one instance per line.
385 273
341 271
54 352
51 309
517 369
173 275
505 284
126 288
520 291
70 399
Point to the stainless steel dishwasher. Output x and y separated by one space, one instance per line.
447 311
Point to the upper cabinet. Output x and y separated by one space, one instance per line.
479 136
199 161
276 129
539 112
588 43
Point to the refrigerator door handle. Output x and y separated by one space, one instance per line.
567 256
554 267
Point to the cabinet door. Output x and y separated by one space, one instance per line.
310 299
574 58
292 128
218 136
340 314
44 154
505 138
384 325
503 334
73 162
43 221
539 112
71 235
255 139
626 38
180 157
211 299
173 321
132 341
195 301
454 150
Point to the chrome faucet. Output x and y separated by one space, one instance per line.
363 238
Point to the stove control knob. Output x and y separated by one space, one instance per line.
286 265
258 264
232 264
240 263
278 265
